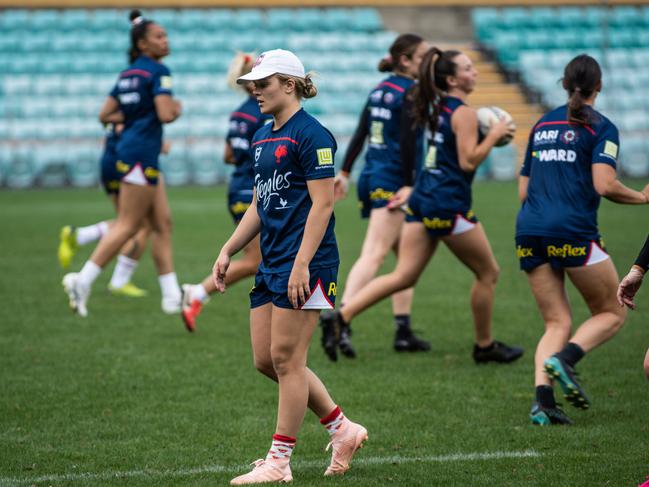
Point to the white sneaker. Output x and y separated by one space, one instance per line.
77 293
171 305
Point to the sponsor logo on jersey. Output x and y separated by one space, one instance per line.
239 207
128 83
610 150
271 187
379 194
522 252
325 157
165 82
239 143
555 155
437 223
546 137
566 251
388 98
243 127
569 137
376 96
129 98
380 112
280 152
258 153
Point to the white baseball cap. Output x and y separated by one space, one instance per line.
277 61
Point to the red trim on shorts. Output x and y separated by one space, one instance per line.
331 416
132 72
565 122
244 115
275 140
393 86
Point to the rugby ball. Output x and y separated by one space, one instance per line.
487 116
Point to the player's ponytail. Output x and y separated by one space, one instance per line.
304 87
139 26
436 66
404 45
582 77
240 65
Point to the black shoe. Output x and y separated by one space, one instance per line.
545 416
497 352
345 342
329 322
406 341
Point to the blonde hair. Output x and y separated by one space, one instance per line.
304 87
241 64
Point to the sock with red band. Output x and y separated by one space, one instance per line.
333 420
282 448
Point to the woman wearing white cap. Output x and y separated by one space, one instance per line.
292 210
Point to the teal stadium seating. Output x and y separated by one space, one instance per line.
536 43
56 67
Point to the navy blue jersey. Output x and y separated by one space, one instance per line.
442 182
384 116
285 159
561 198
111 138
135 91
244 122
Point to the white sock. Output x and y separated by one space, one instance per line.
334 421
199 292
281 448
91 233
88 274
123 272
169 285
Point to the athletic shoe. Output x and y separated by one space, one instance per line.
78 294
557 369
499 352
406 341
67 245
266 471
345 342
344 443
330 324
546 416
645 483
191 308
171 304
129 290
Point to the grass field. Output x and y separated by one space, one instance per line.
126 396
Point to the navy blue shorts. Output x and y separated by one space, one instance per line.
137 171
238 203
440 223
374 192
274 288
109 176
558 252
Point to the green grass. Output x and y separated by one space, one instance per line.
129 390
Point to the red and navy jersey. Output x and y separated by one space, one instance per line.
383 115
442 182
561 198
244 122
135 91
284 160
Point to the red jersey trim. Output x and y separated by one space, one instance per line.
132 72
565 122
392 85
244 115
275 140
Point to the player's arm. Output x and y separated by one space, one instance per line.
523 183
228 154
356 143
321 192
167 108
408 132
465 126
607 185
245 231
110 112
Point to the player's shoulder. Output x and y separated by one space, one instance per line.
310 127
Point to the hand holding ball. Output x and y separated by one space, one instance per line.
488 117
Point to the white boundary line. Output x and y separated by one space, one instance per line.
306 464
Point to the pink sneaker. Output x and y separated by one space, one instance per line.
645 483
344 443
266 471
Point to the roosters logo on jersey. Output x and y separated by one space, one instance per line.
280 152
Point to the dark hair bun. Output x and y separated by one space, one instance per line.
135 13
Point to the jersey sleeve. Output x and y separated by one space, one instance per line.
162 83
357 141
643 257
607 145
408 146
316 153
526 168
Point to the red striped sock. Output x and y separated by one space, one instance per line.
333 420
281 448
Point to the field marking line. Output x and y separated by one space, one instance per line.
306 464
